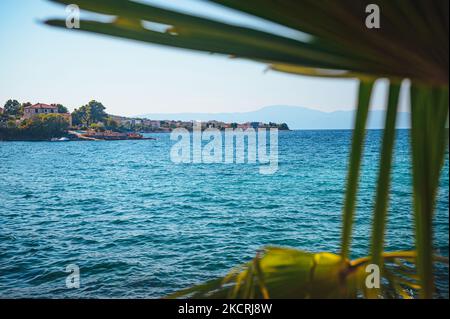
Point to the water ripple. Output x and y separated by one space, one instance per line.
139 226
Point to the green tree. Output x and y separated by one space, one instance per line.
111 124
61 108
44 126
12 107
93 112
100 127
96 112
11 124
79 117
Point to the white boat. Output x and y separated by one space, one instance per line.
62 139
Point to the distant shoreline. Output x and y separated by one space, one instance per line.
161 132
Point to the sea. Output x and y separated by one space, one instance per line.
137 225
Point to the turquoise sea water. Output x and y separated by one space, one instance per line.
141 226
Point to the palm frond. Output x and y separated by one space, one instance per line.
279 272
339 39
359 132
429 115
381 200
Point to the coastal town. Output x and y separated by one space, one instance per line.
40 121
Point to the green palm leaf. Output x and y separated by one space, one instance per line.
429 108
338 38
279 272
381 200
365 91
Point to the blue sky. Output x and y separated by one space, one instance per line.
43 64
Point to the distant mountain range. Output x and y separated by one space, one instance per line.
294 117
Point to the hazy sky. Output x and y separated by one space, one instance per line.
43 64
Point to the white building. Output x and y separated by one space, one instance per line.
41 108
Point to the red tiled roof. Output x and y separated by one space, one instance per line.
41 106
